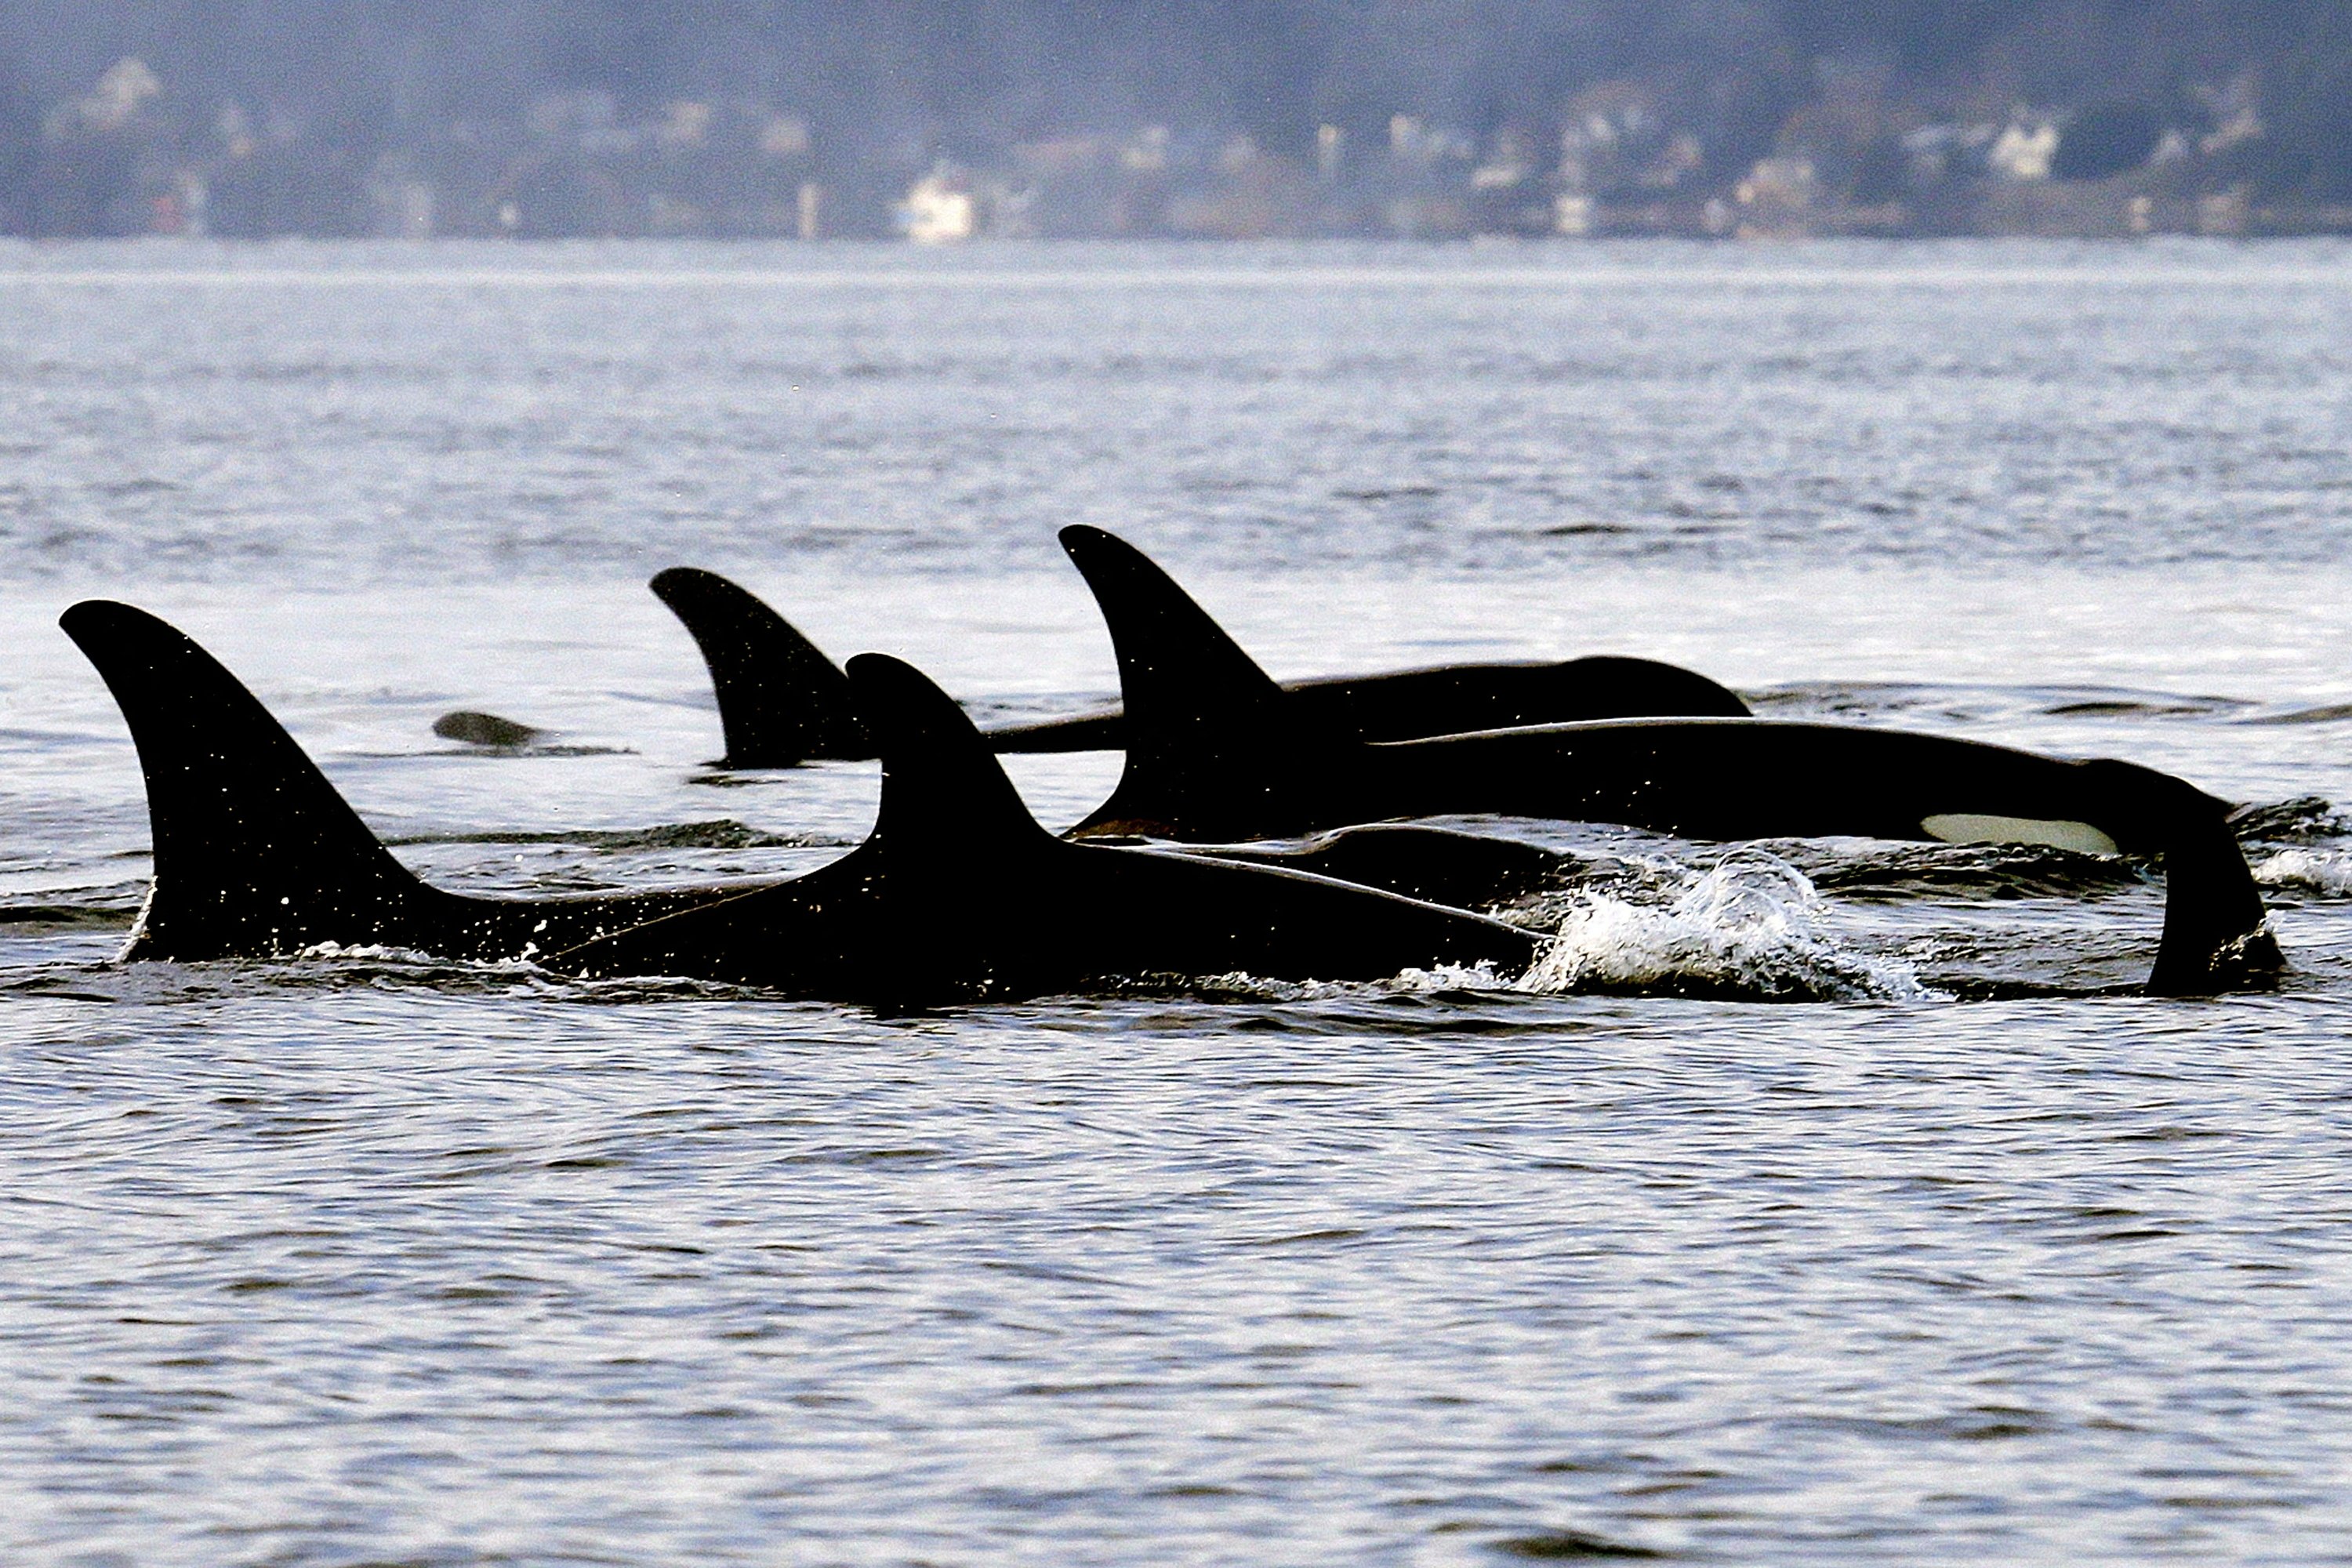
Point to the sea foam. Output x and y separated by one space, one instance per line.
2325 872
1752 926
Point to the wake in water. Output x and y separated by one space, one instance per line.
2304 836
2325 871
1751 928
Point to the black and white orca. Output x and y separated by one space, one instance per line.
1215 753
782 701
957 894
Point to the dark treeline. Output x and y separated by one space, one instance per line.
450 95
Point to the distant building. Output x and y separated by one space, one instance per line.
403 204
1147 153
784 136
939 211
1330 145
2023 149
127 88
1777 196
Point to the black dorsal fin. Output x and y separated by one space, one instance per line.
1199 713
255 852
944 795
1177 667
781 700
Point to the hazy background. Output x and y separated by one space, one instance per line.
1229 119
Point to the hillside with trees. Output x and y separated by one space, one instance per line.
1246 117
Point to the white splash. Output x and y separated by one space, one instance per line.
364 951
2319 870
1752 926
1447 977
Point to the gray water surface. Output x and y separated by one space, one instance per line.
372 1260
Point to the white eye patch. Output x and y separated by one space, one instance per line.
1962 827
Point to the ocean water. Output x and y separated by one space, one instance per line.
1832 1202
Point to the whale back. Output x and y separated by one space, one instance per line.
1216 749
959 894
1456 699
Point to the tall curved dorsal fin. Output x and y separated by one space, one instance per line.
781 700
255 851
944 793
1198 711
1177 666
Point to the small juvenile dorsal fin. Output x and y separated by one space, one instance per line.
781 700
255 852
1199 715
943 791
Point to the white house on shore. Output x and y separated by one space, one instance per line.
938 210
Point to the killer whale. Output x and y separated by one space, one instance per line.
1214 754
960 894
782 701
957 894
257 855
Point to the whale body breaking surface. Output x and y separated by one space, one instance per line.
958 893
